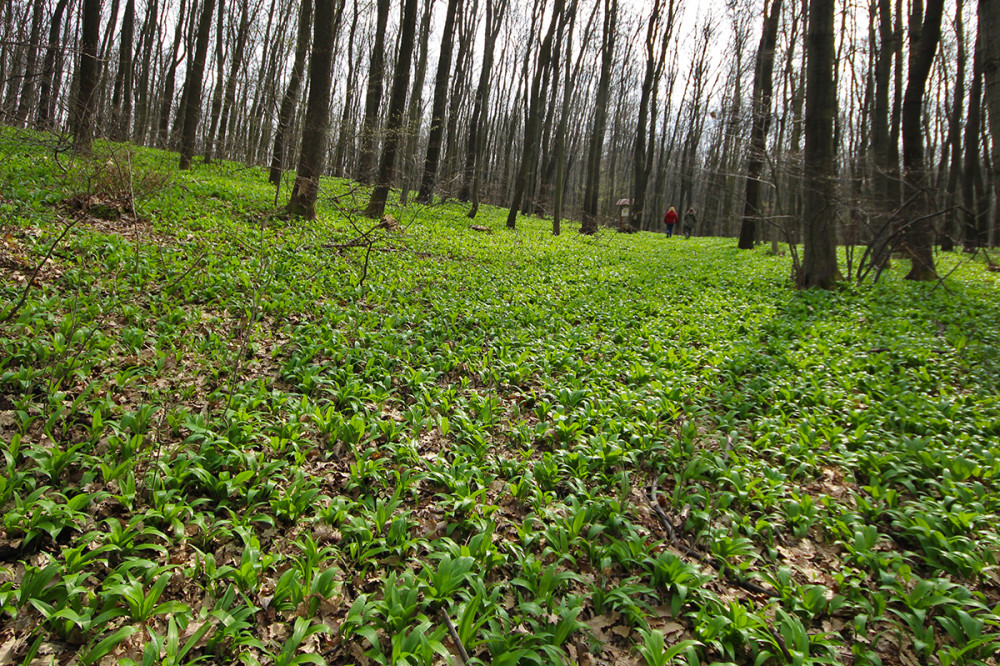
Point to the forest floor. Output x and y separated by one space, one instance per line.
228 436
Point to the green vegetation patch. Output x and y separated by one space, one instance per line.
232 437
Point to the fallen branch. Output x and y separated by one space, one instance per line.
463 655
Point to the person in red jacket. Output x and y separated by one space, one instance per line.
670 219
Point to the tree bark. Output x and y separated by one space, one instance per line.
989 22
415 108
593 166
494 22
761 124
291 97
316 125
192 87
121 100
43 120
819 267
33 46
436 135
974 233
373 96
397 111
918 240
532 124
229 97
170 80
89 75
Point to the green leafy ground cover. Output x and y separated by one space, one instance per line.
228 436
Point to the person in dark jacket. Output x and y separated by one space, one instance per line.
690 222
670 219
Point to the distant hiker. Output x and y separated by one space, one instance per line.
690 222
670 219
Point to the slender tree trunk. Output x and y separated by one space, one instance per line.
532 125
974 236
121 100
43 120
436 135
32 48
145 74
882 154
220 70
229 97
494 22
291 97
316 125
373 96
989 21
192 87
163 138
761 124
925 33
593 166
88 77
819 268
950 233
397 112
415 107
344 136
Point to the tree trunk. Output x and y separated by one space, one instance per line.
43 120
192 87
290 100
532 125
989 22
229 97
163 138
88 77
882 154
373 96
436 135
220 70
344 136
494 22
974 235
761 124
121 100
918 238
28 82
819 267
950 233
415 108
397 110
316 125
593 166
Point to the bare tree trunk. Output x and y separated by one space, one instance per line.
291 97
761 110
819 268
397 110
229 97
163 138
641 163
28 82
89 74
344 136
494 22
989 22
316 125
121 100
950 233
410 177
373 96
974 235
45 101
220 71
532 124
436 135
593 166
919 237
192 87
